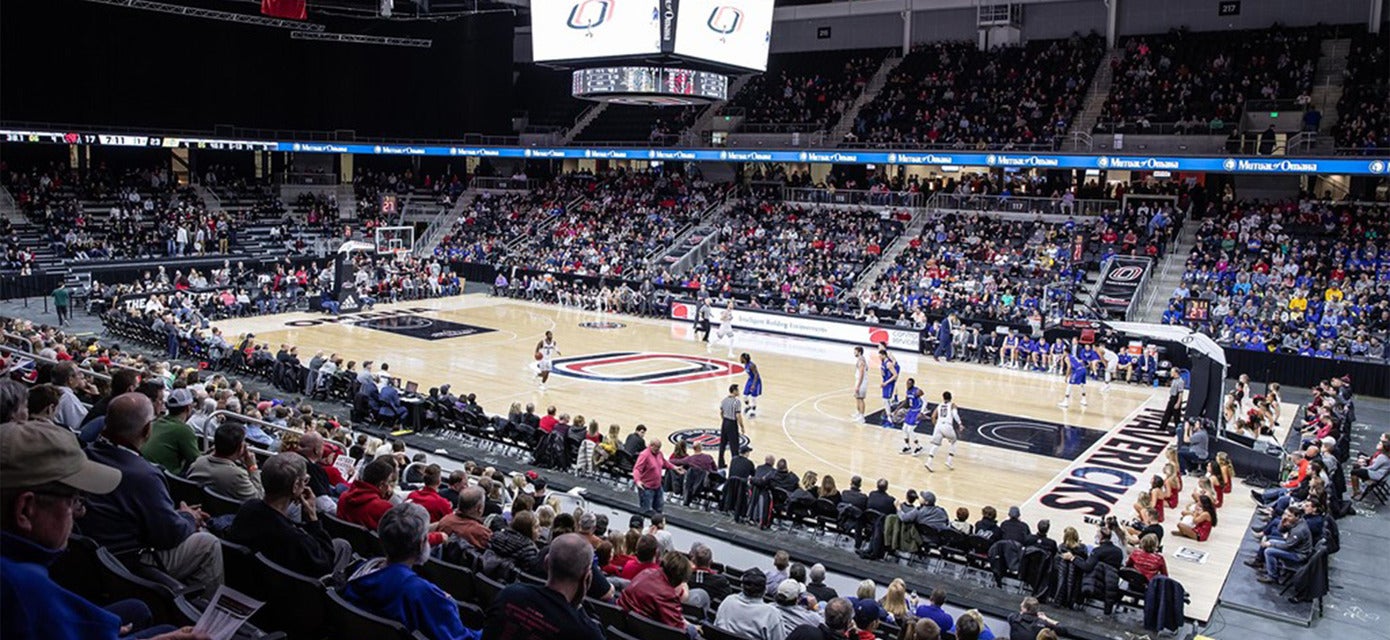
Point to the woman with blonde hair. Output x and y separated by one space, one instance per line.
866 590
809 480
1228 470
1158 494
1071 543
828 490
895 601
1171 480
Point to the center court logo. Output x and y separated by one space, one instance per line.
670 368
589 14
708 438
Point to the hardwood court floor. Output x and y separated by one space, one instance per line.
654 372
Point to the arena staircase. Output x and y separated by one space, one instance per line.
890 255
1096 95
876 82
1167 274
702 239
1327 81
427 240
211 202
583 121
8 208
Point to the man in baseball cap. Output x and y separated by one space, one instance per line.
173 445
43 476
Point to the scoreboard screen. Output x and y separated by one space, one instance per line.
732 32
729 33
583 29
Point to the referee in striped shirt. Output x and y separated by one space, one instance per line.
731 423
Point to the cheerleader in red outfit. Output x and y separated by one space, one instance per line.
1228 471
1173 482
1217 484
1158 494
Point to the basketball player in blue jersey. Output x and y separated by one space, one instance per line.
1076 377
912 401
753 387
889 368
1058 358
1008 354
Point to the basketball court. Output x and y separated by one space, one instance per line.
1017 448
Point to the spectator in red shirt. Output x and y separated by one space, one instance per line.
657 593
1146 559
369 497
428 497
644 557
548 421
647 474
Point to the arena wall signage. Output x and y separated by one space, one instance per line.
1257 165
848 332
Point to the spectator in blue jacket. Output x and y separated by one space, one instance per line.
43 475
139 514
389 406
389 587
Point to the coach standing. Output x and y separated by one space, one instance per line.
1173 412
731 423
945 334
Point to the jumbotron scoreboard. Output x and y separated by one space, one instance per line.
657 52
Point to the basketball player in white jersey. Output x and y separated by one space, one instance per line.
948 425
546 350
861 383
1111 361
726 328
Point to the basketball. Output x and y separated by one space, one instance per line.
538 355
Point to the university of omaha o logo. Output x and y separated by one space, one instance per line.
724 21
678 368
1126 273
582 15
708 438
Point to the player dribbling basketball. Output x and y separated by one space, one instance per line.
546 350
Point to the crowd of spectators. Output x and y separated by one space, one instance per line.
312 469
626 217
1198 82
1309 277
794 257
805 91
1363 124
495 220
952 94
143 213
976 266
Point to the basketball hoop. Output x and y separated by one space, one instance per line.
398 242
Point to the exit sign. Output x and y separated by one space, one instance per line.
1228 8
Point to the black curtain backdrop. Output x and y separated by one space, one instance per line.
1367 378
1204 387
75 62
